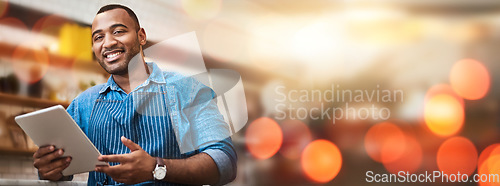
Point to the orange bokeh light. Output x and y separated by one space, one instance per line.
13 22
296 136
30 65
488 163
470 79
50 25
263 138
410 160
4 7
444 115
321 161
457 154
442 89
385 142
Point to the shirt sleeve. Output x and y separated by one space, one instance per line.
225 158
208 123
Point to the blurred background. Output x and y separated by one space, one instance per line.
440 56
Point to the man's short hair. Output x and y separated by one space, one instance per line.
129 11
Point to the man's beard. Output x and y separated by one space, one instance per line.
124 67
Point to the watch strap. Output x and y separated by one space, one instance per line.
160 161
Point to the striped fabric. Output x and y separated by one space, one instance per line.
106 112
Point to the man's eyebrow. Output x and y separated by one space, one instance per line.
111 27
95 32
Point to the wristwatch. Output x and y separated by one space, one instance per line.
161 169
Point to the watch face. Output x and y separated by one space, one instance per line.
160 173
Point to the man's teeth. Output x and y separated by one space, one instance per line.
113 55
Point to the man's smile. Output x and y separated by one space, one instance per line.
110 56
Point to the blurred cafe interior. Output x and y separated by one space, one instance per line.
334 89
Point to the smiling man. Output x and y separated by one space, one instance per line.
137 119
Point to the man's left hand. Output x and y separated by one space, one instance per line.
135 167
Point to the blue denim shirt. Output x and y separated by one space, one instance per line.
191 109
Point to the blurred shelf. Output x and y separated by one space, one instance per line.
6 51
29 101
16 151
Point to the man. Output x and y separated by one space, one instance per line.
138 135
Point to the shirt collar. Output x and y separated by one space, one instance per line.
155 76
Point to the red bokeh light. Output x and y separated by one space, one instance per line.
263 138
457 154
321 161
410 160
488 164
296 136
470 79
385 142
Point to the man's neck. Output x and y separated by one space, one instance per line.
133 78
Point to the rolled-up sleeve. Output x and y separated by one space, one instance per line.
225 158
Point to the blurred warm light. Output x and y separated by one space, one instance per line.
470 79
263 138
75 41
442 89
457 154
13 22
321 161
364 14
4 7
50 25
296 136
30 65
315 42
489 163
385 142
201 9
13 31
444 115
219 41
410 160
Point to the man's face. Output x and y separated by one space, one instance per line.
115 40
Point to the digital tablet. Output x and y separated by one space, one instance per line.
54 126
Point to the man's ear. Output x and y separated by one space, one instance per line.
141 34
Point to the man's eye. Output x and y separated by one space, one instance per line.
97 38
118 31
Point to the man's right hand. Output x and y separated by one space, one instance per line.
49 163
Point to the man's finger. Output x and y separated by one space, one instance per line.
47 158
56 173
43 151
110 170
119 158
55 164
130 144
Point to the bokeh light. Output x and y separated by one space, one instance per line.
442 89
321 161
49 25
263 138
470 79
385 142
30 65
4 7
457 154
296 136
410 160
488 163
218 42
13 22
444 115
202 9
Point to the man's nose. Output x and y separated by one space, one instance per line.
109 41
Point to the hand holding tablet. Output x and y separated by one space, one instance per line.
54 127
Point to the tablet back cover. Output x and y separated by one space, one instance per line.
54 126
